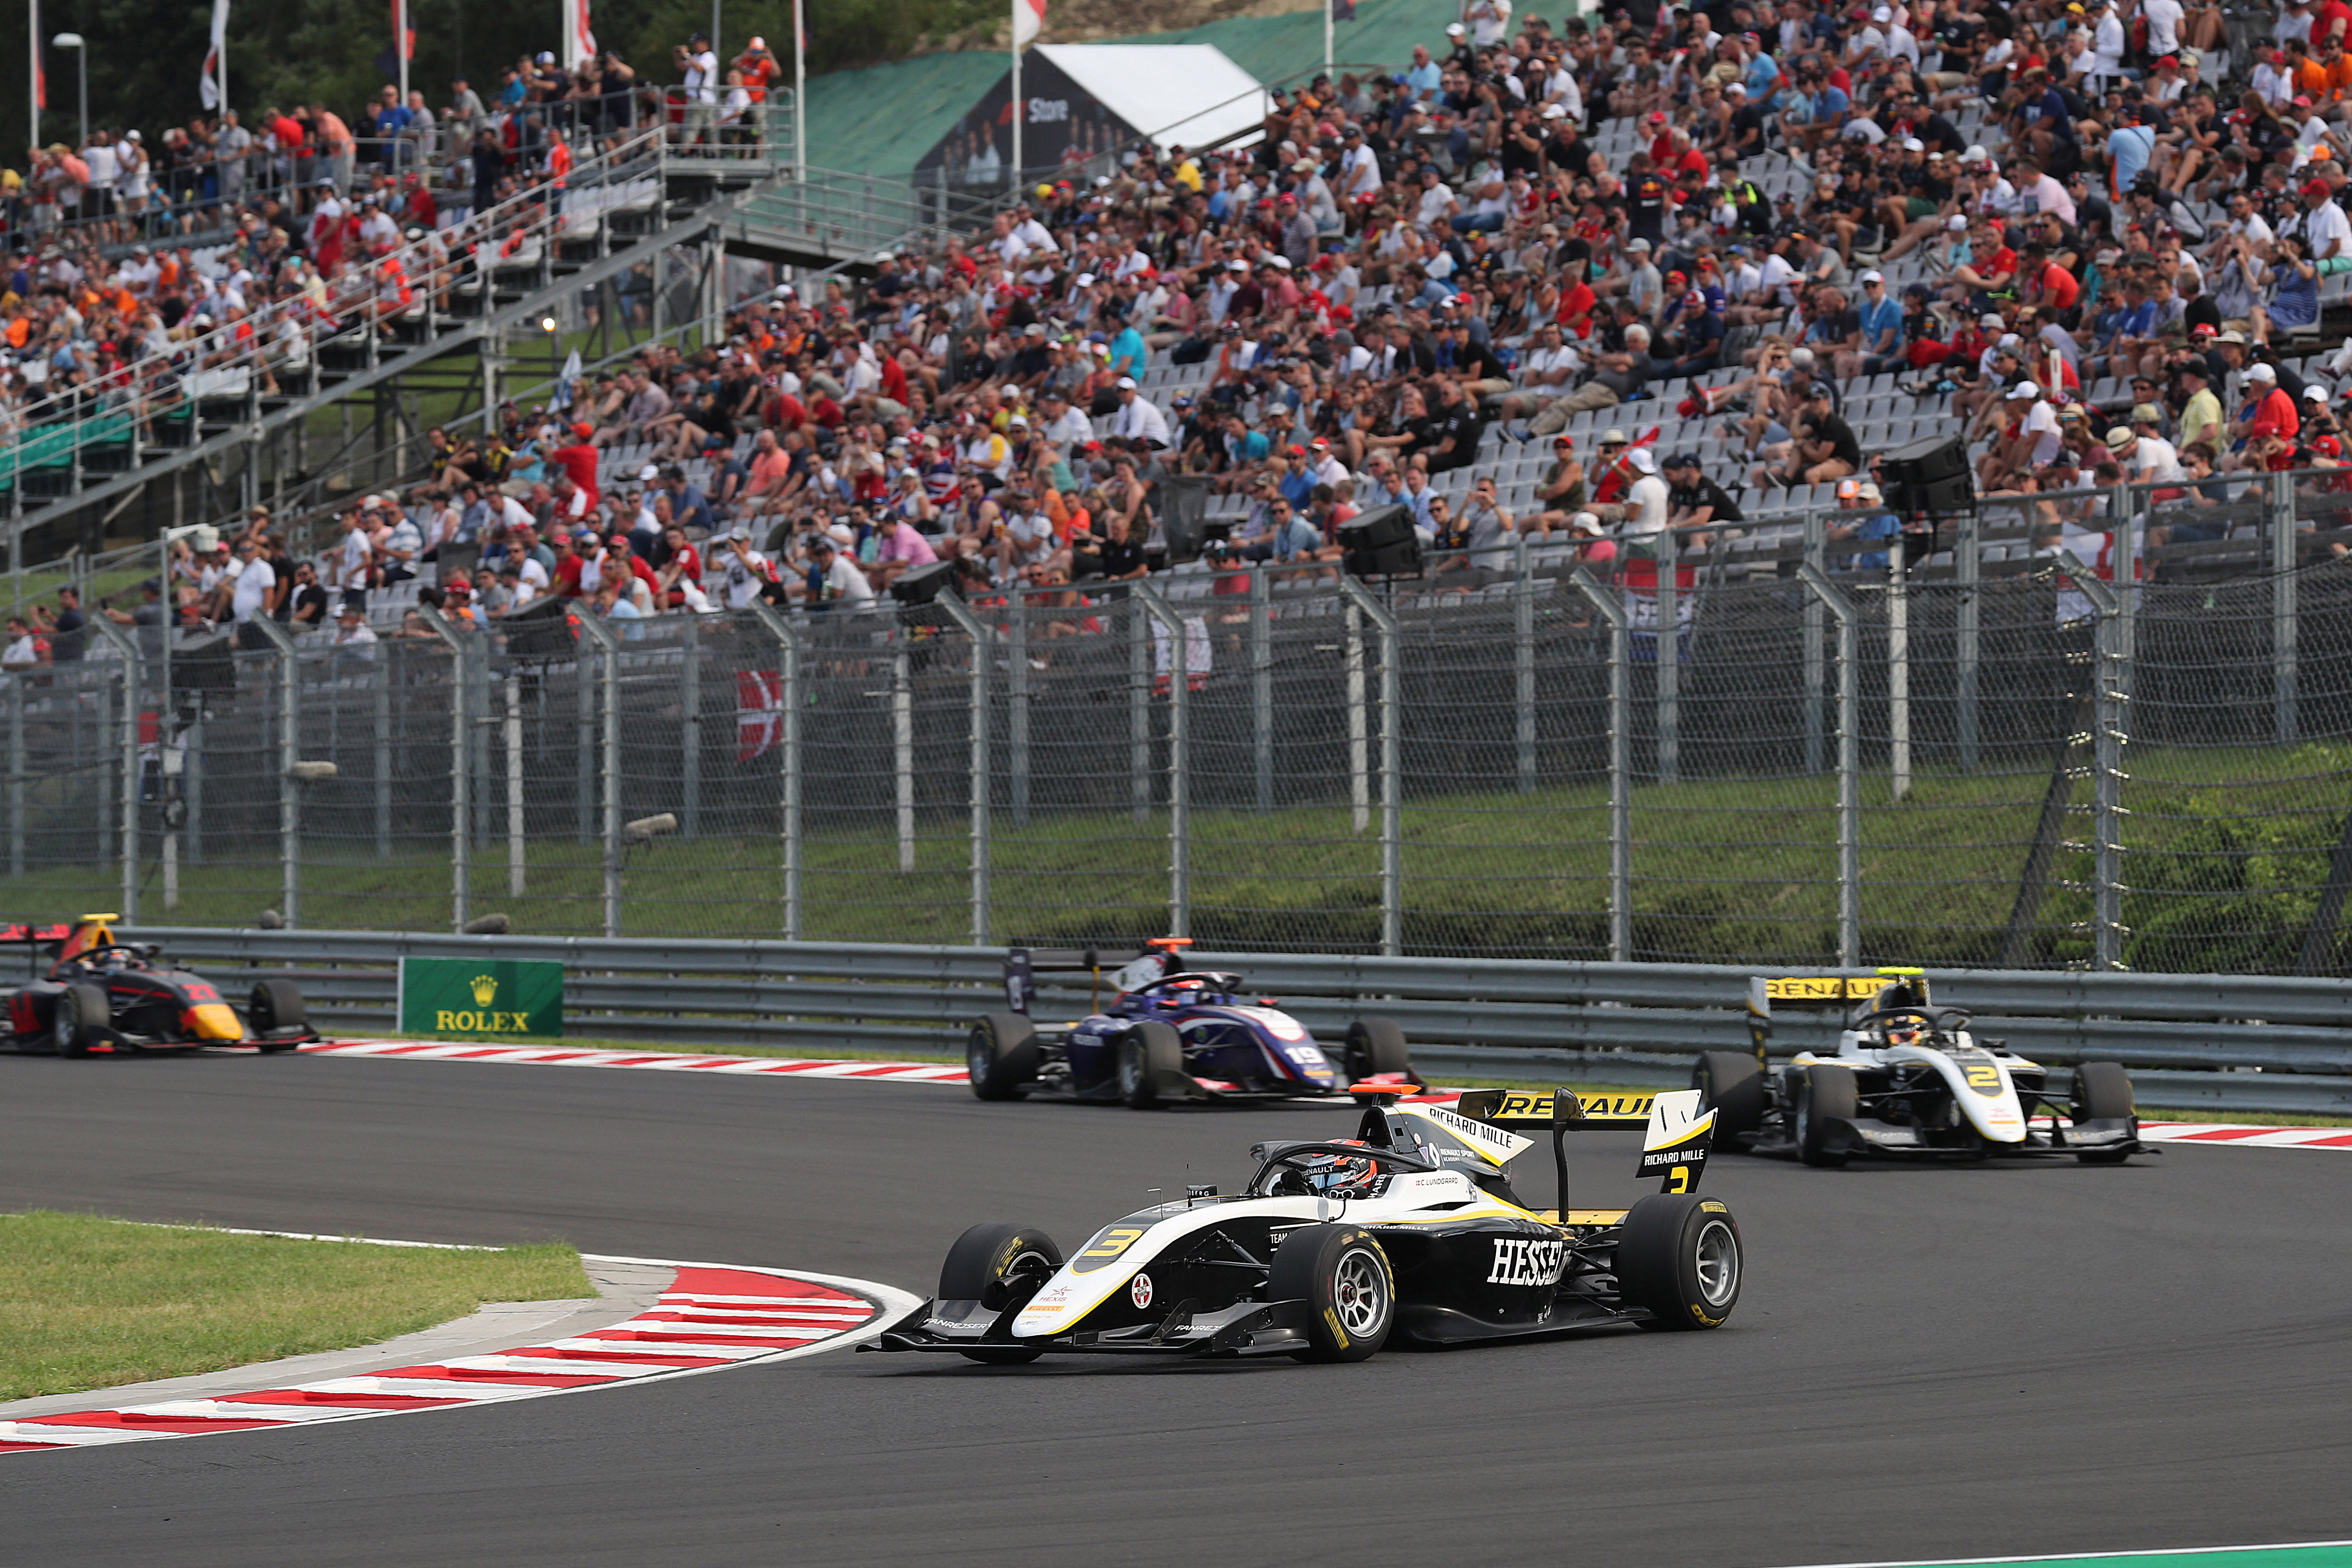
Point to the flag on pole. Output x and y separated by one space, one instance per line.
403 37
40 77
579 39
208 79
1343 10
1028 16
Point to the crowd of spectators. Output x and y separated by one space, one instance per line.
137 276
1422 273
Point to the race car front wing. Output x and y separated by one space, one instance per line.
1246 1328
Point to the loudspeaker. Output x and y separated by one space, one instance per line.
924 584
1929 476
1381 542
541 629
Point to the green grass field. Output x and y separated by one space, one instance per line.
2226 851
87 1302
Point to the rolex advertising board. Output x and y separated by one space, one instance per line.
490 999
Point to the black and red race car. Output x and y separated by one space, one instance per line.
100 994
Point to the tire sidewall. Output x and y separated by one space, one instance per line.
1658 1264
1307 1267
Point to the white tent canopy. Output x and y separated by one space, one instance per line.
1188 95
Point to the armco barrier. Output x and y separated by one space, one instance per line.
2215 1042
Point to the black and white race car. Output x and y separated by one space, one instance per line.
1410 1230
1908 1080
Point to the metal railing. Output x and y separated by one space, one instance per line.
1495 761
2222 1042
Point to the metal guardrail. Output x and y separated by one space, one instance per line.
2217 1042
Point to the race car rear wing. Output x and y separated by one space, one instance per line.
1024 964
34 938
1675 1132
1826 990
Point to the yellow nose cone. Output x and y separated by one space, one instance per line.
214 1021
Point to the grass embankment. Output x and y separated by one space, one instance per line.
87 1302
2226 851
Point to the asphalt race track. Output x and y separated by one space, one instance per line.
1924 1363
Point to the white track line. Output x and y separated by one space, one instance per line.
2190 1133
695 1327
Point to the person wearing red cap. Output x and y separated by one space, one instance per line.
579 460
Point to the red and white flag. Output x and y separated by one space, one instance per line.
758 713
1028 16
579 41
208 78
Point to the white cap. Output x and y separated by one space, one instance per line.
1454 29
1882 14
1956 222
1640 457
650 472
1127 383
2315 393
1800 356
1281 262
1872 278
1585 522
1555 111
1975 154
2260 372
1237 265
2023 391
1084 281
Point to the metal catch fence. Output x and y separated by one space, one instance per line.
2041 769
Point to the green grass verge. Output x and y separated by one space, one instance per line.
87 1303
2227 851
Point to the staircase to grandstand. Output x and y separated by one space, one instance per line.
460 289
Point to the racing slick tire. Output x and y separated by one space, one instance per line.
1679 1256
1343 1275
994 1264
1375 1045
277 1005
1000 1057
1824 1091
1732 1083
83 1018
2102 1091
1149 1053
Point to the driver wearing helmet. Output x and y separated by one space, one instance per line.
1339 1175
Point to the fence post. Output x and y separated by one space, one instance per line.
1816 558
902 744
1179 802
1620 795
983 646
2108 740
583 785
382 686
1139 709
1967 574
518 859
1359 762
1848 782
1361 602
1523 645
608 681
788 742
1898 675
461 804
2285 651
1017 704
289 752
1669 648
1261 630
128 823
690 712
15 778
